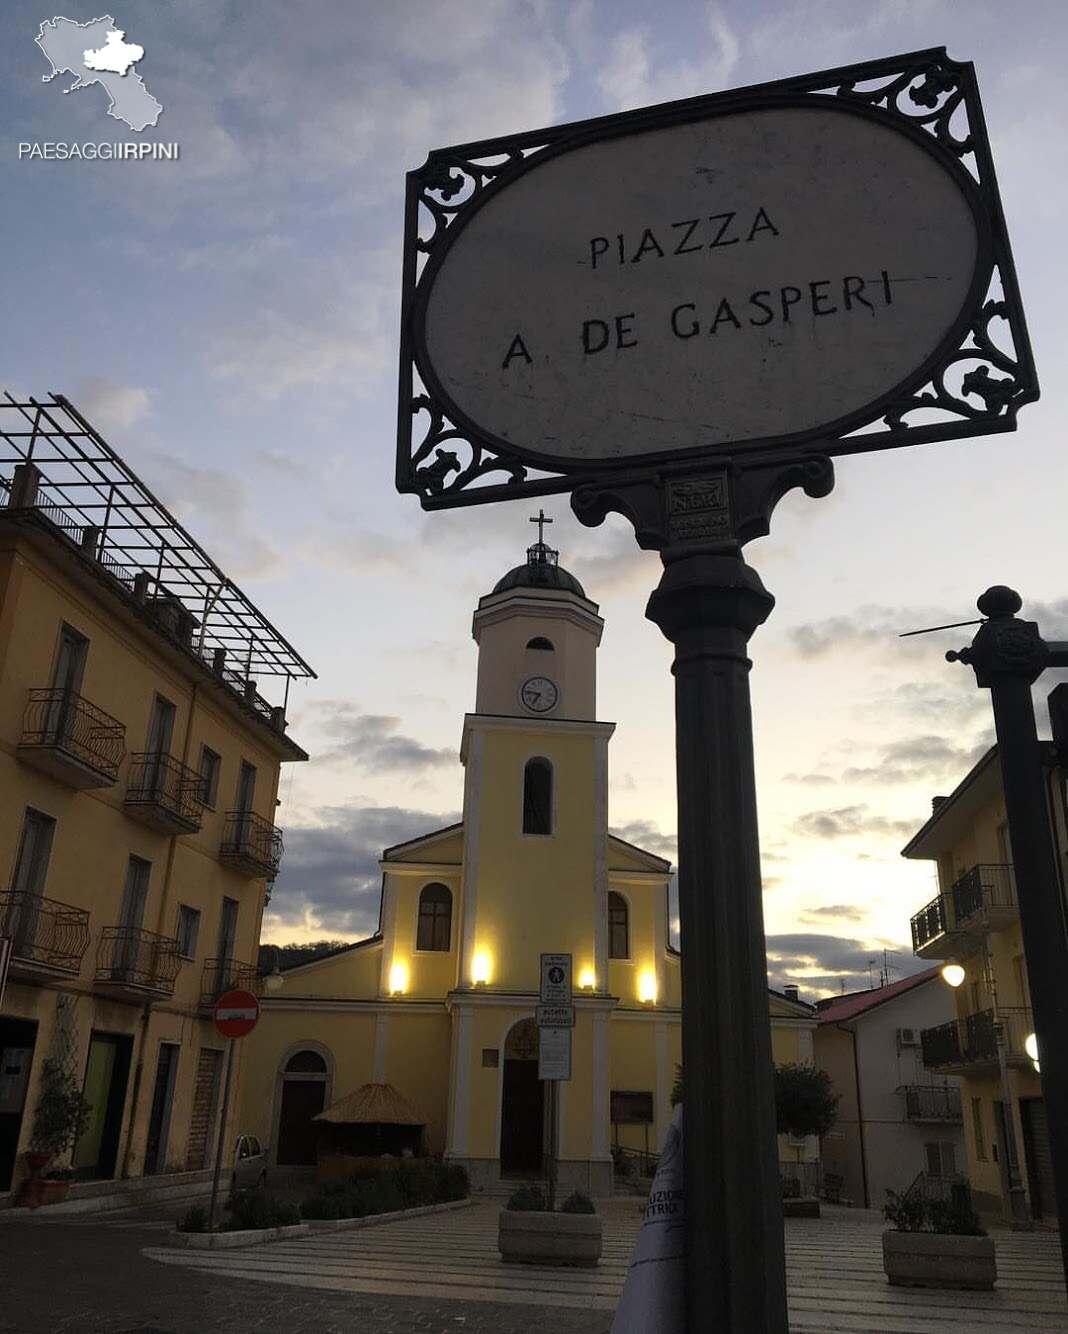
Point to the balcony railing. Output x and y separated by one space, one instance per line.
929 924
137 960
961 1042
164 793
251 844
932 1102
222 975
44 933
71 739
987 891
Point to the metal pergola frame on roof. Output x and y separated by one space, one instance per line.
100 503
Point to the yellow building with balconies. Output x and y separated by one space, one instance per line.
441 1001
973 925
139 770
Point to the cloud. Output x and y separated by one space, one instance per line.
330 880
110 406
646 834
821 963
635 74
851 822
840 912
372 740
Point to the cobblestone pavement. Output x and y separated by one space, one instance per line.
89 1277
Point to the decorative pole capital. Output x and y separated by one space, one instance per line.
1004 646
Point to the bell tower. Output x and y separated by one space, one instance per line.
537 636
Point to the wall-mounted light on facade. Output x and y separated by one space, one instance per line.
1031 1048
647 988
398 980
587 981
954 974
480 968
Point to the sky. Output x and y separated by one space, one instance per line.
229 321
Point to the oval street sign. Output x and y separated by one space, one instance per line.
236 1013
740 280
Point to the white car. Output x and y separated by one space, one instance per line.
250 1164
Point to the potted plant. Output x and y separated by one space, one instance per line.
59 1119
529 1232
936 1243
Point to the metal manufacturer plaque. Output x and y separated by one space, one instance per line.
764 273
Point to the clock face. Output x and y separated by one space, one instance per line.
539 694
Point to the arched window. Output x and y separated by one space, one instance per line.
538 797
306 1063
435 918
618 927
540 642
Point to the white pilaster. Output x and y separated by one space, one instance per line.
599 1109
662 1096
600 863
472 834
461 1082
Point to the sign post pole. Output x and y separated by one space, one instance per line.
220 1148
708 606
236 1013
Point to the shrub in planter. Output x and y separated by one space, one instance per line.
577 1203
259 1208
195 1219
936 1243
528 1199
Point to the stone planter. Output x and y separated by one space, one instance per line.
939 1260
528 1237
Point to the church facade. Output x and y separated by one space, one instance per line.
440 1001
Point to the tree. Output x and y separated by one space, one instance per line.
805 1101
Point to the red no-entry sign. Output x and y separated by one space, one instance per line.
236 1013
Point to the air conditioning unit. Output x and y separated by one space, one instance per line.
908 1037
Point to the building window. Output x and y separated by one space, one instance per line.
618 927
210 765
541 643
435 919
977 1128
188 930
306 1063
941 1158
538 797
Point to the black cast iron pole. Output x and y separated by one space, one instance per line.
708 606
1008 656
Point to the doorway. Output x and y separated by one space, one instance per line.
159 1119
104 1090
522 1103
17 1040
303 1097
1038 1157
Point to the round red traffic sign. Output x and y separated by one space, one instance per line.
236 1013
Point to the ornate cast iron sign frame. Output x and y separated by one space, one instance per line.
972 383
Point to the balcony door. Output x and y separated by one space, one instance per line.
132 916
160 732
66 684
224 947
22 918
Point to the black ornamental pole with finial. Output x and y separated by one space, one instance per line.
1008 655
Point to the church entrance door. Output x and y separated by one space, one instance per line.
522 1103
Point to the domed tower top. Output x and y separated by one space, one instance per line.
537 634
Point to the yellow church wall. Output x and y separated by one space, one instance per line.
352 974
426 973
632 1069
532 902
417 1065
489 1028
785 1045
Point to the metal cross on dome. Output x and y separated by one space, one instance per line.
541 521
